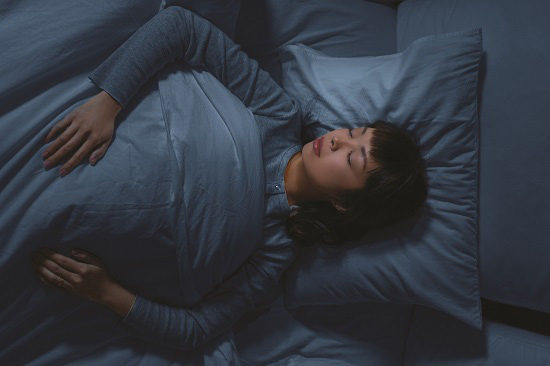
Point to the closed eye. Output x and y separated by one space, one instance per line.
349 155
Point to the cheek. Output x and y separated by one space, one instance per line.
325 173
312 165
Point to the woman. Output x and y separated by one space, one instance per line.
334 188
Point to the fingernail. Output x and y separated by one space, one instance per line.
47 164
44 155
93 161
75 252
63 172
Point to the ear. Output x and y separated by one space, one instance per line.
338 206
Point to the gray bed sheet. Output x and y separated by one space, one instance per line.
350 334
436 339
515 198
344 28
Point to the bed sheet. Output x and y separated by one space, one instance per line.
436 339
127 208
345 28
343 335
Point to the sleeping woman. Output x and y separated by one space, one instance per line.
332 189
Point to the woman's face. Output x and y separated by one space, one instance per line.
338 161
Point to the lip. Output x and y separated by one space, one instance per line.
318 145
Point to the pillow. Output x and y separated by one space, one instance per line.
514 209
222 13
431 89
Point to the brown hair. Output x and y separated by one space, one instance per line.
393 191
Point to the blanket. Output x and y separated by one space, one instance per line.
173 208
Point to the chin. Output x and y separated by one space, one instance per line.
308 157
308 152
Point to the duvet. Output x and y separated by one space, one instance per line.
173 208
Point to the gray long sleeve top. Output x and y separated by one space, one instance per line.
177 34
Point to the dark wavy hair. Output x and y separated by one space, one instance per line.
393 191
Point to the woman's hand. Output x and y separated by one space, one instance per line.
87 129
85 276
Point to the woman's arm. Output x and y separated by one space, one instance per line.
176 327
175 34
189 328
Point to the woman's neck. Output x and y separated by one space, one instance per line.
297 187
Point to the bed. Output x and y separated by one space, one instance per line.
468 77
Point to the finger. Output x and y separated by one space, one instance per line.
59 126
70 145
99 152
58 263
43 280
76 158
52 279
42 264
86 257
52 152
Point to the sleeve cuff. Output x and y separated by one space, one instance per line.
130 313
113 93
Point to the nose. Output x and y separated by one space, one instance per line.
334 143
338 142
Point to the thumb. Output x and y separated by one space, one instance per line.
99 152
86 257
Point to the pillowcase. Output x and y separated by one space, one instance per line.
222 13
514 211
431 89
